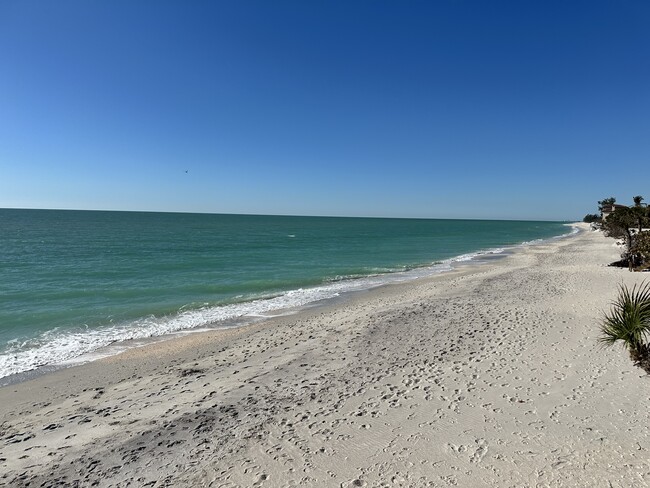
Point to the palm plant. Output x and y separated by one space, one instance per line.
628 323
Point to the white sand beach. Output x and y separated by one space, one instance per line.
489 375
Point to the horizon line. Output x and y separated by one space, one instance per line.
288 215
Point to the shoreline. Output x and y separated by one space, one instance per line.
370 282
488 375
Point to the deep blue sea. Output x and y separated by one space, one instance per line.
73 282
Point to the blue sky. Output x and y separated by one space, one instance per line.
442 109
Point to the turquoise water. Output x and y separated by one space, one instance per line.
74 281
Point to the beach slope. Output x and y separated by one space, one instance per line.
489 375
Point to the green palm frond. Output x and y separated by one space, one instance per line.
628 321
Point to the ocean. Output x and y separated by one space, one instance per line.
74 282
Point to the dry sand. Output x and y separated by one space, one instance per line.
486 376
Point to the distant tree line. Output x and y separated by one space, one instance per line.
630 224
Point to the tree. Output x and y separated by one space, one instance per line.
628 323
618 224
589 218
640 212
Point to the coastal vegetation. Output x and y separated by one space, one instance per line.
628 323
591 218
629 224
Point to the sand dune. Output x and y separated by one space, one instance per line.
486 376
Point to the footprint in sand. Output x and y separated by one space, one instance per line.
261 480
480 452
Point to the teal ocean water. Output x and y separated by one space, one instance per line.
72 282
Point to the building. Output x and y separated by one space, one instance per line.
608 209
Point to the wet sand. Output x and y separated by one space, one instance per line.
486 376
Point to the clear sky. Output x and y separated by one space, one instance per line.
445 109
